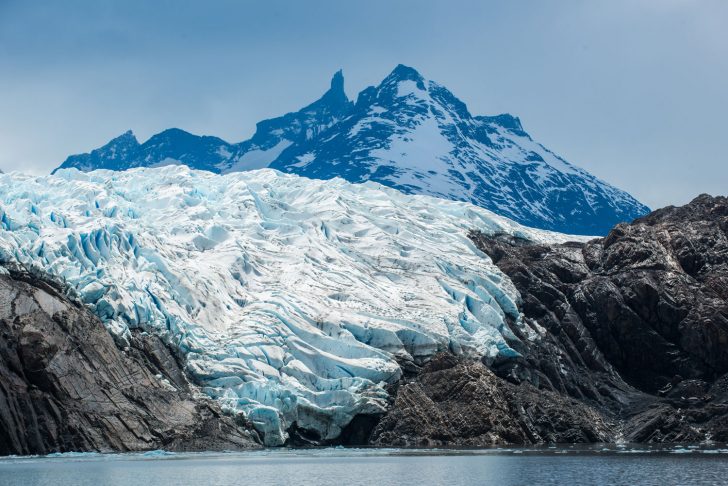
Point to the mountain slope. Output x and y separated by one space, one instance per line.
292 300
170 147
274 136
416 136
175 146
408 133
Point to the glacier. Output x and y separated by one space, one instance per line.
293 301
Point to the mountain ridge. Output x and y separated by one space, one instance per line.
408 133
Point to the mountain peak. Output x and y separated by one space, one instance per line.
336 93
337 81
173 133
126 136
408 133
403 73
402 79
126 139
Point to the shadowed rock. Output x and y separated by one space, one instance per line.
464 404
631 343
66 386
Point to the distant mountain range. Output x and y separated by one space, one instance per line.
408 133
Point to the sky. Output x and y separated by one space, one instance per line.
634 91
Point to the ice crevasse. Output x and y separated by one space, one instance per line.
293 301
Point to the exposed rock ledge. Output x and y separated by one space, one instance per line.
66 386
633 344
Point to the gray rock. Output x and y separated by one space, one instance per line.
66 386
462 403
633 343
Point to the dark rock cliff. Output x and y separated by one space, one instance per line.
66 386
460 403
632 343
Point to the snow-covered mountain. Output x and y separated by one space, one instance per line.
408 133
293 301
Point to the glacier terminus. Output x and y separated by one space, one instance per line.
293 301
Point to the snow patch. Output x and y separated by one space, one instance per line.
408 87
259 159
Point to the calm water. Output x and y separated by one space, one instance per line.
502 467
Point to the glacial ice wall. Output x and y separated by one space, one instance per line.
293 300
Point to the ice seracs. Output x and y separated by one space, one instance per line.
293 301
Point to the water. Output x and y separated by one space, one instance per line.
503 467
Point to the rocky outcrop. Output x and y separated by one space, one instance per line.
460 403
66 386
631 343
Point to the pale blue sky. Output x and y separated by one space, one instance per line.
634 91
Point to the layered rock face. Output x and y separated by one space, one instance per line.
633 343
66 386
460 403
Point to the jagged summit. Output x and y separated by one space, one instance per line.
126 139
337 85
127 135
334 98
402 73
409 133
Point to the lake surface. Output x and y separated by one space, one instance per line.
623 465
